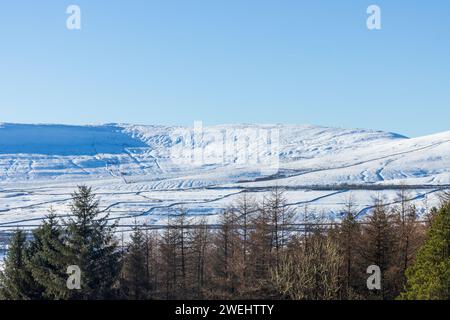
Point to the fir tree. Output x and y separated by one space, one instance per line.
199 249
243 213
91 246
135 273
378 247
223 282
261 253
16 282
429 277
347 235
46 261
169 257
280 218
410 237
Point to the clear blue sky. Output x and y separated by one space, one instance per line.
228 61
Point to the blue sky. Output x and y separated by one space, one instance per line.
177 61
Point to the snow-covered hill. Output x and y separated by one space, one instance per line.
306 155
57 152
142 171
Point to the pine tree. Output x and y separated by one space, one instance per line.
136 282
91 246
410 236
16 282
174 252
152 261
429 277
347 234
243 212
46 259
182 246
280 217
169 258
262 253
377 247
199 248
223 282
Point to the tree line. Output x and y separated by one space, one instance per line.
255 252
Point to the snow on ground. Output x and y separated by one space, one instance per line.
143 172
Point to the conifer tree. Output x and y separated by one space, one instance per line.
152 261
136 283
262 253
348 234
223 282
46 259
410 236
377 247
243 213
199 248
169 260
174 250
90 245
280 217
428 278
16 282
182 246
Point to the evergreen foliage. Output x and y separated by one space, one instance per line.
135 282
429 277
16 282
46 261
90 244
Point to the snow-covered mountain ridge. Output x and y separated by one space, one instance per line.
143 172
307 155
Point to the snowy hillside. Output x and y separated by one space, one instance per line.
55 152
143 171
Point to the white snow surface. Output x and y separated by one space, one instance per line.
135 175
